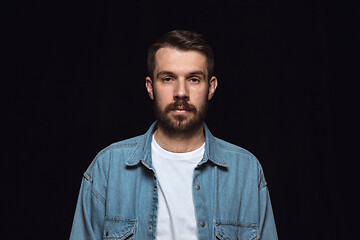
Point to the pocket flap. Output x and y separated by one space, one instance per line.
231 230
119 228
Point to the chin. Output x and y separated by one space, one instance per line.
182 125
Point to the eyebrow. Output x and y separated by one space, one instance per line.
164 73
171 73
198 73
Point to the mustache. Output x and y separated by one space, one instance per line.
180 104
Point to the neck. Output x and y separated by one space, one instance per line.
180 143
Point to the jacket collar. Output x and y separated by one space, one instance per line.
142 152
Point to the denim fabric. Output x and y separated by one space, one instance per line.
118 198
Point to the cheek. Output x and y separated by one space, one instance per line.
200 96
161 99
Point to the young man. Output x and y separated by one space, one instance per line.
176 181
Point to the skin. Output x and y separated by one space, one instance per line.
180 75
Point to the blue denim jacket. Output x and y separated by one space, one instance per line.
118 198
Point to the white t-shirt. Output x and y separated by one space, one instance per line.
176 215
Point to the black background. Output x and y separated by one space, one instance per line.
74 83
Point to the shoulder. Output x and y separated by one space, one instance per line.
117 152
225 152
234 149
233 154
241 160
123 145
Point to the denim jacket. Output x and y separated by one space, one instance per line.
118 198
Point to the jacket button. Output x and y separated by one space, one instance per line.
155 189
107 234
197 187
150 227
202 224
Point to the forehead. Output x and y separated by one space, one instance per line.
172 59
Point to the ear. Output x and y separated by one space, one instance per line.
212 87
149 87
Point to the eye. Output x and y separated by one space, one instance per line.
194 80
166 79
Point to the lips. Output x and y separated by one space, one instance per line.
180 106
181 109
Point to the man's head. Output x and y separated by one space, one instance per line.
181 40
180 81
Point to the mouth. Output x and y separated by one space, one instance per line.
180 108
180 111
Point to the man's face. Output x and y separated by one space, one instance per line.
180 89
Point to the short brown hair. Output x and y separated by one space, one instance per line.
182 40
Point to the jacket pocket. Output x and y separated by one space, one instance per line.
119 228
232 230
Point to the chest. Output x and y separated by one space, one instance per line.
225 203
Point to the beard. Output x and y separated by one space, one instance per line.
180 125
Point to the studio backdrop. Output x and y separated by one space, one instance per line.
78 73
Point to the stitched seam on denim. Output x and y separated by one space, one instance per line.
231 147
97 195
262 185
108 167
236 224
128 234
117 146
239 151
216 194
87 177
88 173
219 163
131 156
219 233
107 217
262 182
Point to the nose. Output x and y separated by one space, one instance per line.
181 90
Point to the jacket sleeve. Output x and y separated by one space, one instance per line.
267 226
89 215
